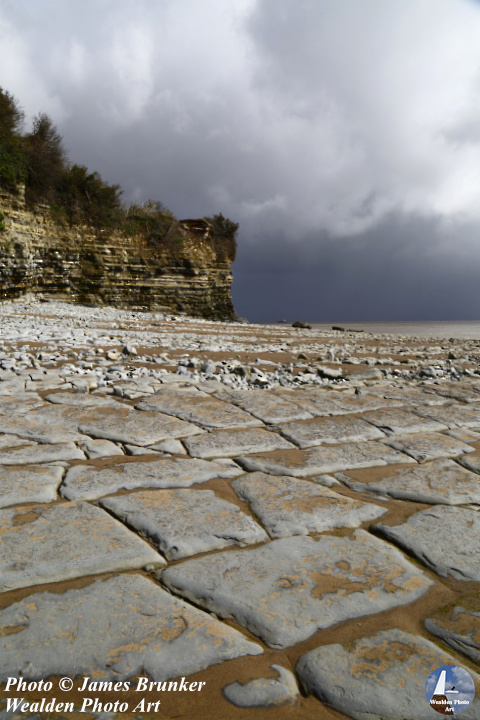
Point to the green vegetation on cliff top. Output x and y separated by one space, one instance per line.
38 160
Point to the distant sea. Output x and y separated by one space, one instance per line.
439 328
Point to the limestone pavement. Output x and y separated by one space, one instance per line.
315 546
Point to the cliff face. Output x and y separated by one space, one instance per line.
79 264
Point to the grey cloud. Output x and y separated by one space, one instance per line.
341 135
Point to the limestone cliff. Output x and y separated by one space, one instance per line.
80 264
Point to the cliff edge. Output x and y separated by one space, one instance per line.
41 255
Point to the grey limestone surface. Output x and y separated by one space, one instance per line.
229 443
326 459
186 522
113 629
130 427
60 542
328 431
198 408
264 405
429 446
444 538
34 483
89 482
264 692
298 585
289 506
381 678
459 628
395 421
436 482
45 453
453 415
126 484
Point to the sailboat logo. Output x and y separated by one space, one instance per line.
449 690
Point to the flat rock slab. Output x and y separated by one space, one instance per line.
465 392
287 506
453 415
381 677
41 426
429 446
460 629
471 462
87 482
228 443
11 441
437 482
409 395
285 591
393 421
60 542
198 408
113 630
445 538
82 400
31 454
333 402
34 483
264 692
317 460
186 522
137 428
264 405
329 431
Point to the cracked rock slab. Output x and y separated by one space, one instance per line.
333 402
285 591
465 392
87 482
323 459
34 483
137 428
264 692
471 462
436 482
60 542
443 538
460 629
82 400
264 405
409 395
113 629
453 416
329 431
186 522
381 677
287 506
46 453
429 446
228 443
198 407
396 422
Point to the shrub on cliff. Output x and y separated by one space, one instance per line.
224 237
88 199
155 222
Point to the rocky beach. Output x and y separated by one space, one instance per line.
280 522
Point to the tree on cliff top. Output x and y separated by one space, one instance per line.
46 160
12 159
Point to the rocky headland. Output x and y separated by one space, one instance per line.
285 518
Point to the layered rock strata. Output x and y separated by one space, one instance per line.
82 264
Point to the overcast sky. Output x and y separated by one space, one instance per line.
343 136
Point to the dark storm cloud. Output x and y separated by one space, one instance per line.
342 135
